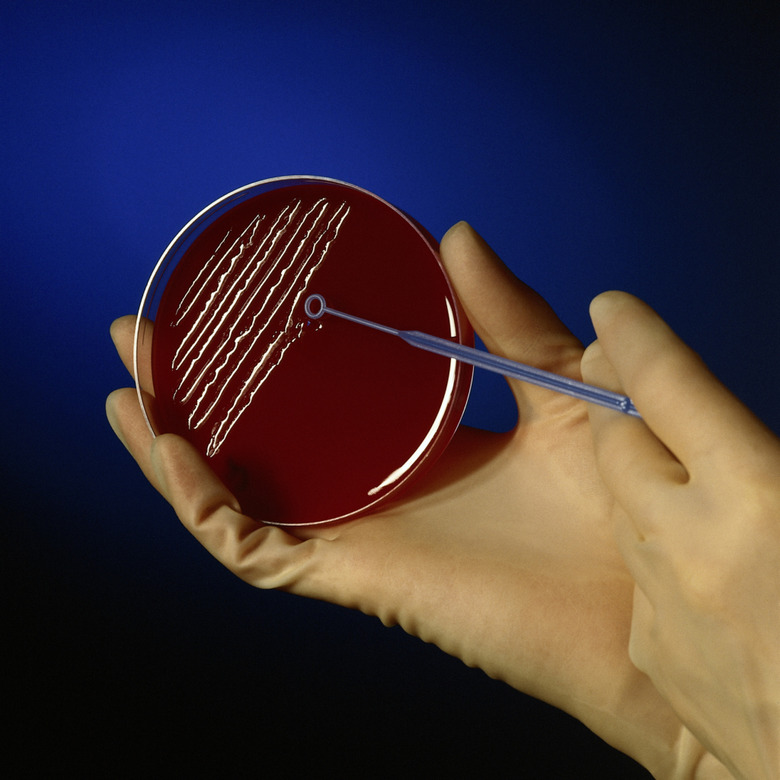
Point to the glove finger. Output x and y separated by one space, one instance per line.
129 424
512 319
680 400
263 556
634 464
123 336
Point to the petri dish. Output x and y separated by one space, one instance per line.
306 421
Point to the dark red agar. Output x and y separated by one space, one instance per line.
308 421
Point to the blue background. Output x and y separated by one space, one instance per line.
595 145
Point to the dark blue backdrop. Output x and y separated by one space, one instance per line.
595 145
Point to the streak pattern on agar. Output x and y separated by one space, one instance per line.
239 313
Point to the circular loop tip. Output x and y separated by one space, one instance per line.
315 306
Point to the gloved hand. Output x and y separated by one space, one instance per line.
697 516
503 555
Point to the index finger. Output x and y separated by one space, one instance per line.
681 401
123 334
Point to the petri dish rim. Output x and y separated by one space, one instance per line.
217 208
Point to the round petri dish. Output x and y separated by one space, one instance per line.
306 421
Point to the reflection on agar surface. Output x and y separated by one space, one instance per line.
305 420
447 399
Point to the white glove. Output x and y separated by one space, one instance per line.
697 516
503 555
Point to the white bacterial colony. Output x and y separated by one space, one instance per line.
242 312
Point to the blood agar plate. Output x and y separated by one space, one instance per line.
305 421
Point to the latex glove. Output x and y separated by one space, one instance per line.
697 516
503 556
